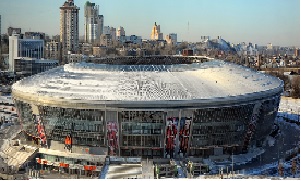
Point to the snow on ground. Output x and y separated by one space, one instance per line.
289 108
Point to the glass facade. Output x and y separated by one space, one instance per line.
31 67
31 48
198 132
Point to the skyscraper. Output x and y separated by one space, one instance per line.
156 35
93 23
69 28
120 31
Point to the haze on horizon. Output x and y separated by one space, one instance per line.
256 21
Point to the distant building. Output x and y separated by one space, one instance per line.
135 39
101 23
106 40
269 46
56 38
19 47
29 66
113 33
53 50
93 23
10 31
34 35
106 30
204 38
297 52
171 39
187 52
87 49
120 31
69 28
75 58
130 39
156 35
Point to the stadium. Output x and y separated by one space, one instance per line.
151 107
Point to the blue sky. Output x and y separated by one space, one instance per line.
257 21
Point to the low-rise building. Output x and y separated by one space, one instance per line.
30 66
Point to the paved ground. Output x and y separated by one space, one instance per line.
288 139
56 175
147 169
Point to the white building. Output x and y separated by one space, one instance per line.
93 23
19 47
120 31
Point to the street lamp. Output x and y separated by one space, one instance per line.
232 163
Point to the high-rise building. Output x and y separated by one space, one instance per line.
113 33
156 35
101 23
120 31
93 23
69 28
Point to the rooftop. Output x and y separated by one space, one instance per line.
104 82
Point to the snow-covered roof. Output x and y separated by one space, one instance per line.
103 82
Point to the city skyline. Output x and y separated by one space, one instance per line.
261 22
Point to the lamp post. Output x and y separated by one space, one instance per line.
232 163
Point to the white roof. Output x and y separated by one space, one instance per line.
102 82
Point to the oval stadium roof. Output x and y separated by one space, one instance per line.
177 82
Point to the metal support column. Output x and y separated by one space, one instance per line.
177 137
164 133
190 133
118 133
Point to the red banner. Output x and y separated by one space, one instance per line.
90 167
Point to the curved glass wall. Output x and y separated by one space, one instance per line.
198 132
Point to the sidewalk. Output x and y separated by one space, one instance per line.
45 174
